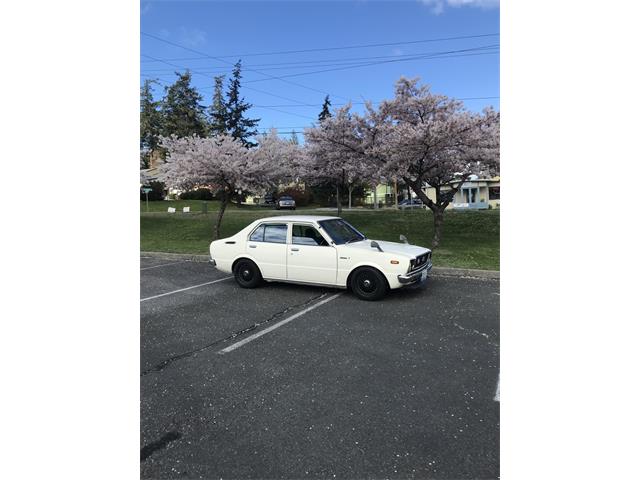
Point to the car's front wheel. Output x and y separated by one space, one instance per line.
369 284
247 274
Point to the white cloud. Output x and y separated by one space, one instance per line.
438 6
192 37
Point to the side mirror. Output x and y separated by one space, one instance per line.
403 239
374 244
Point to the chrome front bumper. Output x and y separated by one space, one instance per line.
414 276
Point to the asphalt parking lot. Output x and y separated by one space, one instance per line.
289 381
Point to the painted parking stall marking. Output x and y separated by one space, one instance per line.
184 289
161 265
230 348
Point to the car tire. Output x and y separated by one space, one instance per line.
369 284
247 274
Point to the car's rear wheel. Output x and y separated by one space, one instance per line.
369 284
247 274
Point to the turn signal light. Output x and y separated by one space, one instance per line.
394 262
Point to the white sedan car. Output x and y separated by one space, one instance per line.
317 250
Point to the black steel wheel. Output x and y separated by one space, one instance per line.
247 274
369 284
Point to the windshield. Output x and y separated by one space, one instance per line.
341 232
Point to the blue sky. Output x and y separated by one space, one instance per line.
241 29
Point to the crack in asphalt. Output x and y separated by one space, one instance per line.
473 330
165 363
150 448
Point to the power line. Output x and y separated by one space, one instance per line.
429 57
363 103
248 88
338 61
230 63
301 67
370 45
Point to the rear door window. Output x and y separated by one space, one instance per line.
275 233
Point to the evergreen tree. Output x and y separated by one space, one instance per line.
184 116
325 109
218 109
150 123
238 126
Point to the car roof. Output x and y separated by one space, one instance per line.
297 218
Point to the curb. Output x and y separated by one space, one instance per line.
189 257
465 273
436 271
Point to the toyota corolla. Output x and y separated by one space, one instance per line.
317 250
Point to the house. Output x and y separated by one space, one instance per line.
476 193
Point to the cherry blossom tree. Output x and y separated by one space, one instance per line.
225 165
419 137
277 161
335 154
430 140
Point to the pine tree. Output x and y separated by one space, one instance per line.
238 125
184 116
218 109
150 123
325 109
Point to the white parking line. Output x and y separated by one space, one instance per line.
277 325
183 289
497 397
162 265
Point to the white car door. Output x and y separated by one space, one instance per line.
268 245
311 258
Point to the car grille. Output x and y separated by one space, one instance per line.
420 261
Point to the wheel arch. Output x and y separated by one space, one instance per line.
365 265
245 257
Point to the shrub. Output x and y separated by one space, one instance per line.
157 192
197 194
301 196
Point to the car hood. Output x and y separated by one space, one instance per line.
390 247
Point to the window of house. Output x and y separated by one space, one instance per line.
307 235
494 193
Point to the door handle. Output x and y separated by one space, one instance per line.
252 246
295 249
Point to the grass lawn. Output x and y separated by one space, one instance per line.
470 239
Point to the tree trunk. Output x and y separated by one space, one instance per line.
438 220
338 201
223 207
350 188
436 208
395 191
